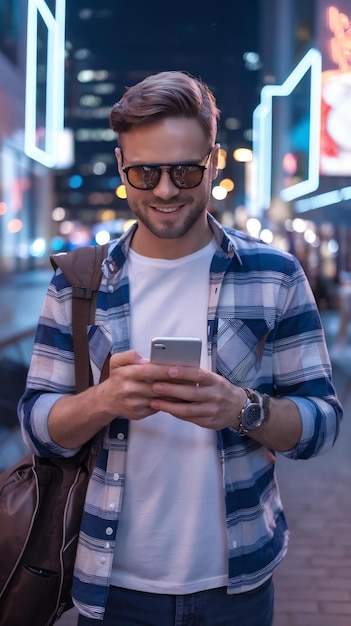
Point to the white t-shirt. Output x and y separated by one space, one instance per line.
172 533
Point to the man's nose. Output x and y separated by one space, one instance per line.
165 187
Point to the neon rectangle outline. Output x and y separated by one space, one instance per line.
262 131
54 116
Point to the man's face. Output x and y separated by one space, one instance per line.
172 221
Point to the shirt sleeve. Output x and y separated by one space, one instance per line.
303 370
320 426
51 373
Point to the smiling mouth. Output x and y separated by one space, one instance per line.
171 209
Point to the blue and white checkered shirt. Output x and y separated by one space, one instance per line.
264 332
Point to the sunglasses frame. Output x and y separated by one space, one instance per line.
167 167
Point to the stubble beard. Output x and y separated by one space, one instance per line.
169 229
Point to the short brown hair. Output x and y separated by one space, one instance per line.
166 94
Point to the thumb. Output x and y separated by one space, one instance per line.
129 357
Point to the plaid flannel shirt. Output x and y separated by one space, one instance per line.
264 332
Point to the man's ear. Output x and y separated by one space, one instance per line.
214 161
118 155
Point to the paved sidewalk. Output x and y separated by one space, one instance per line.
313 584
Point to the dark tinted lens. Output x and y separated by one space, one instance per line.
143 176
186 176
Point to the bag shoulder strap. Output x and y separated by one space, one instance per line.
82 268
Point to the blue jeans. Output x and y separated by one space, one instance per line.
205 608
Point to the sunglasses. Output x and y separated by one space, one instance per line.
183 175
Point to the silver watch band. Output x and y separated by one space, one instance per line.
262 399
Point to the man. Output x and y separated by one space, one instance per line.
183 522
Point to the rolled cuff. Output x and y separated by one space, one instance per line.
40 431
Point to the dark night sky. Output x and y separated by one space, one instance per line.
207 39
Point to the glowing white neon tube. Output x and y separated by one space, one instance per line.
324 199
262 131
54 113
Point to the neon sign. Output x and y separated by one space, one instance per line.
54 78
335 154
263 126
323 199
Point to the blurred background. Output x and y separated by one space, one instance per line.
281 74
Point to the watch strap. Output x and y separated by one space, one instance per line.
253 396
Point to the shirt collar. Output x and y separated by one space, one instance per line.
118 251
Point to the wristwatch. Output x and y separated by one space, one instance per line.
254 413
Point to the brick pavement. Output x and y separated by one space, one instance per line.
313 584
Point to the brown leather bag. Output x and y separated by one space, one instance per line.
42 499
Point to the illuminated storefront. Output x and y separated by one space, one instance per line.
302 136
31 102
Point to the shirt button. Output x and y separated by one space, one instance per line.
103 560
110 288
109 530
107 545
112 506
120 436
115 476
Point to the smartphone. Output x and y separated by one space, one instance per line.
176 351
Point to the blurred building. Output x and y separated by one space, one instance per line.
280 70
26 187
304 164
110 47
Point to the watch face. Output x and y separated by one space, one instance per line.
252 417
